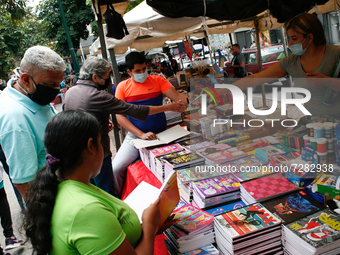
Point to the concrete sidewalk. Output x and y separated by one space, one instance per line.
17 219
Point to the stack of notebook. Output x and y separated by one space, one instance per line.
193 229
318 233
264 188
249 230
216 190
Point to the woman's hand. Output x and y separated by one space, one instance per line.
151 215
148 136
314 82
168 223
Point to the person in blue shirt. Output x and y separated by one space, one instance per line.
25 111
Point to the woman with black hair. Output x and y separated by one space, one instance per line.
68 215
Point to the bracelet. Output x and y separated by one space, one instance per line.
188 100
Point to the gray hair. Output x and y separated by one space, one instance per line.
93 65
43 58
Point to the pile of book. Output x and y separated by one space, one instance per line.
216 190
173 118
223 156
194 229
159 170
265 187
318 233
249 230
264 152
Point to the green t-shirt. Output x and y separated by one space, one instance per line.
87 220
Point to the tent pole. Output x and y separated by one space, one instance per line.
259 57
284 38
206 36
117 80
100 30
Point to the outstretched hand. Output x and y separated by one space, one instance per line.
177 106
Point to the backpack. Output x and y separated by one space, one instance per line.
115 24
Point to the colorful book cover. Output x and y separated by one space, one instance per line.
293 206
244 163
252 146
217 185
192 219
183 176
206 250
264 152
213 149
185 159
166 149
224 156
220 209
235 139
268 186
318 229
252 173
245 220
197 173
199 146
169 196
280 159
328 180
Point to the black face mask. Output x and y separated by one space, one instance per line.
107 83
42 95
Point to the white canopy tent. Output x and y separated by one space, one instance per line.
151 28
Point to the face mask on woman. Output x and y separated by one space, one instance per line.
140 77
297 49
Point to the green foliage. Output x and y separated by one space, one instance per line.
11 36
133 5
77 14
15 8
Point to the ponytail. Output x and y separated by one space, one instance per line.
41 198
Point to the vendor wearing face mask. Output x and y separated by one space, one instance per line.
140 89
312 58
89 95
25 111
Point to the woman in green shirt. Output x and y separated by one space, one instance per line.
68 215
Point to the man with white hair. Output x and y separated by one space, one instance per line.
25 110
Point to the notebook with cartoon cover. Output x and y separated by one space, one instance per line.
293 206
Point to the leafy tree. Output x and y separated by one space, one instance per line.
77 14
133 5
11 36
15 8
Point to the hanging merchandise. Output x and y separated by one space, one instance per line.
116 27
187 48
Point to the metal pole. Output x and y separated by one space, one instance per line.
259 57
68 37
101 32
205 33
285 43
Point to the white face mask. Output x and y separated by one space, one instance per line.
297 49
140 77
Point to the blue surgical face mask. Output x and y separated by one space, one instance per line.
140 77
297 49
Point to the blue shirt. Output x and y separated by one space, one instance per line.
22 129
